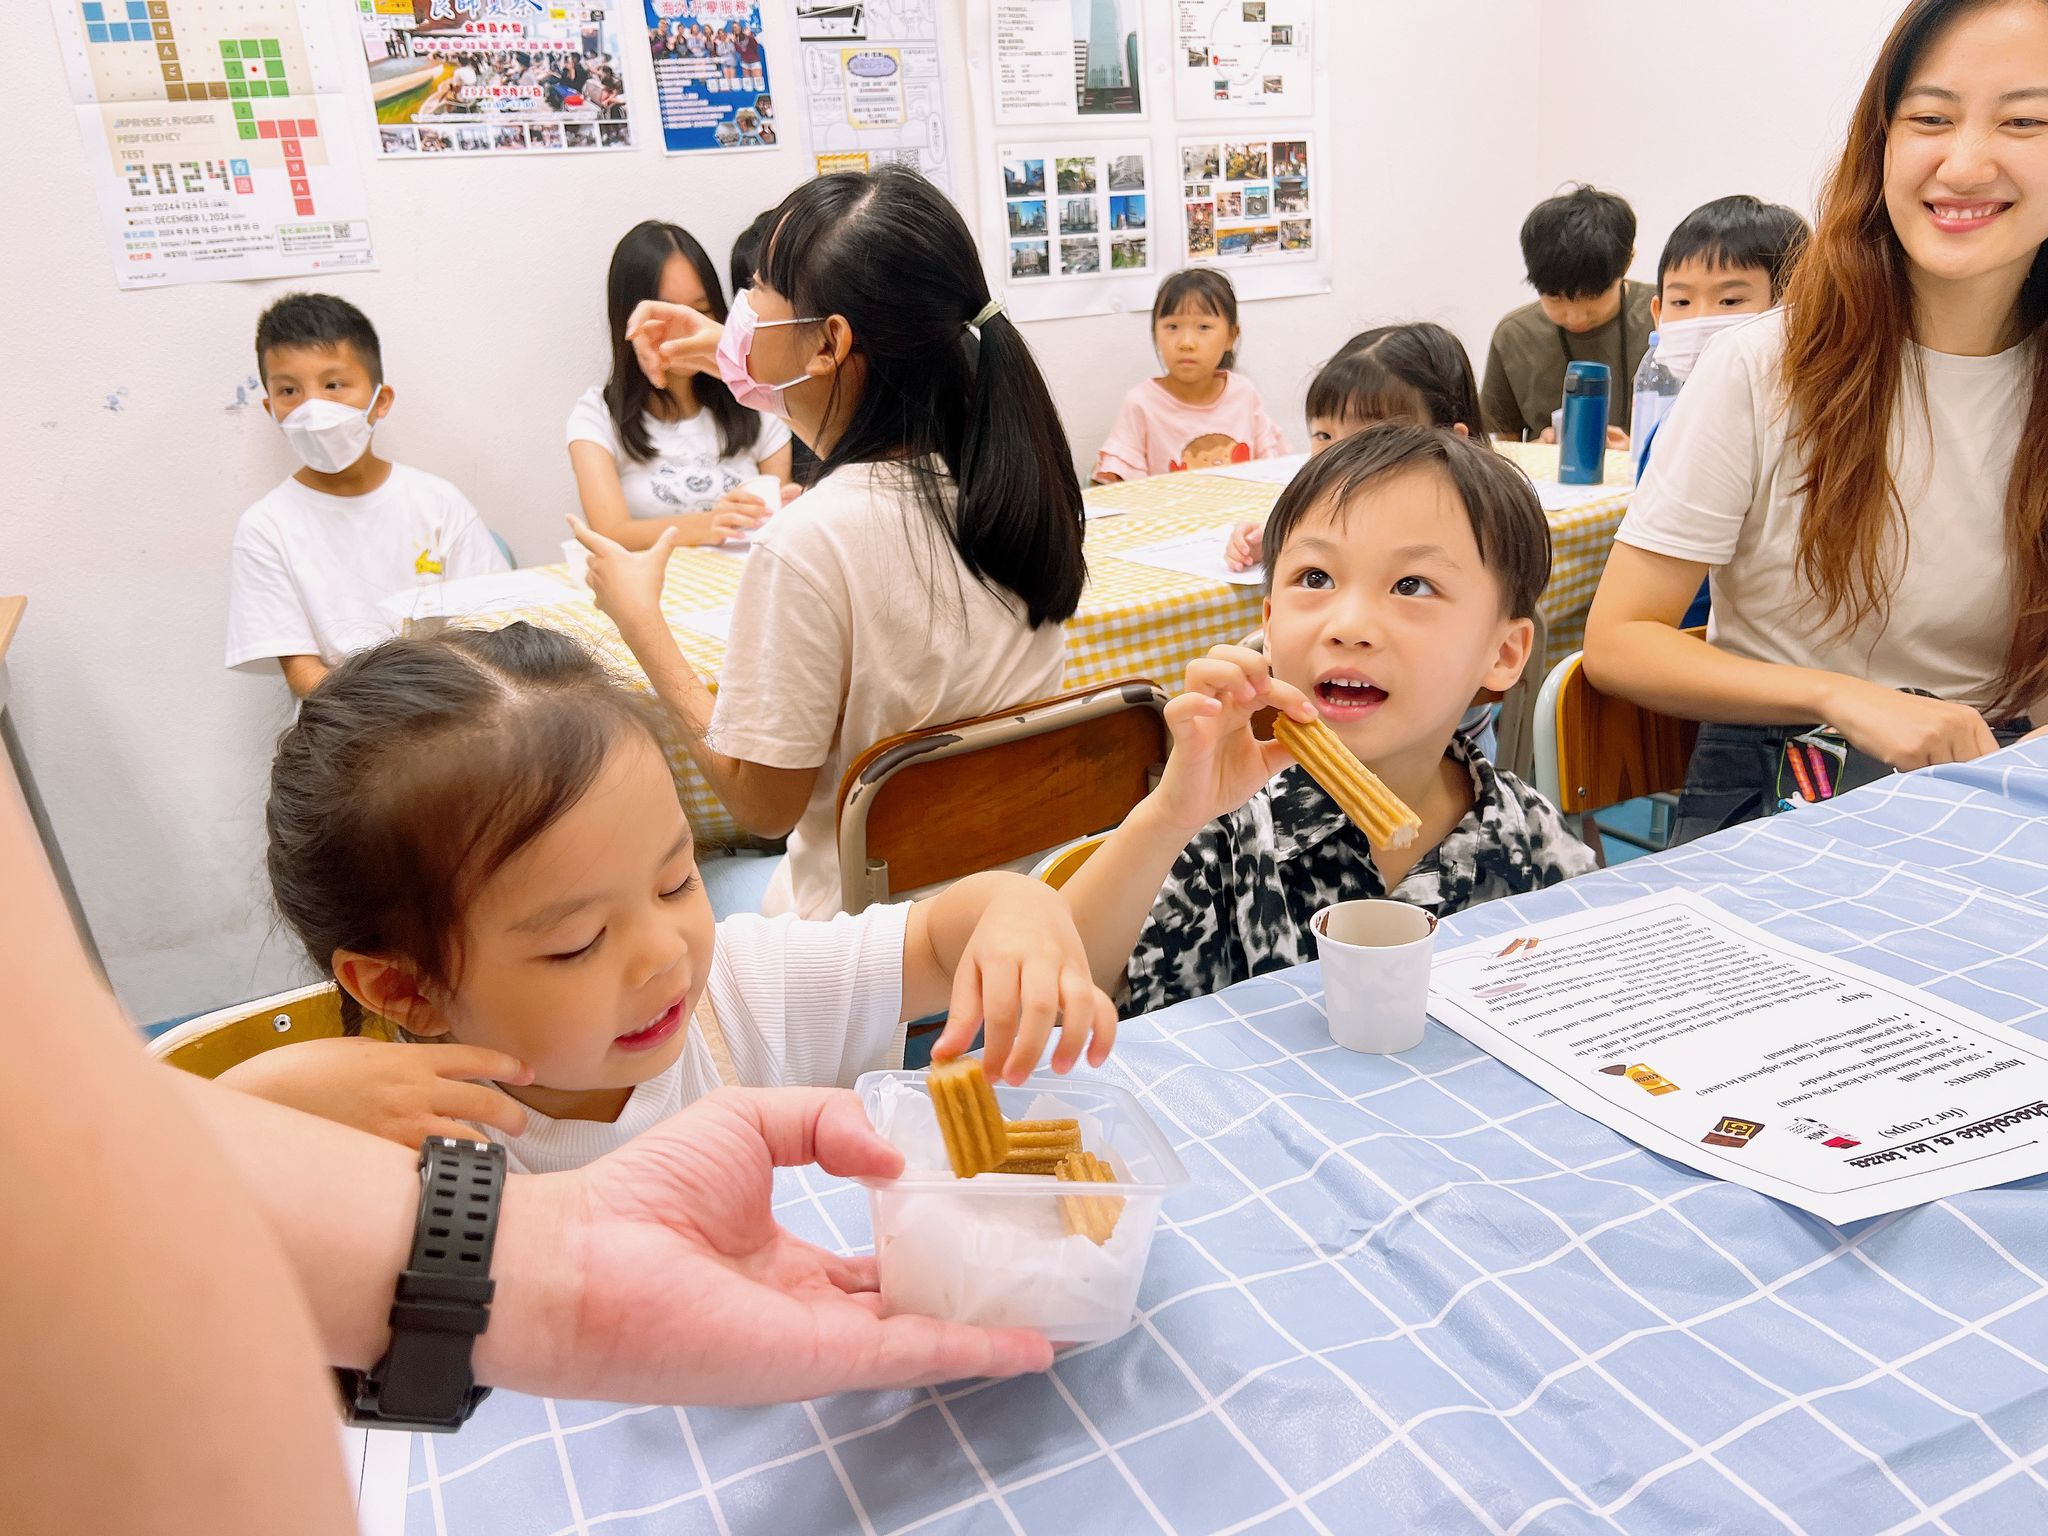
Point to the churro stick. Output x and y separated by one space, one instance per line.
1031 1135
977 1141
1036 1146
1374 808
1092 1217
1042 1162
1026 1128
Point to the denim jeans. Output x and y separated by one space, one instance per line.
1734 774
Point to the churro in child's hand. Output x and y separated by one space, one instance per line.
1376 810
1093 1217
977 1141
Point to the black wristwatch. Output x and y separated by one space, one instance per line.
444 1297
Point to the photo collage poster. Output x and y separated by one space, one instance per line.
493 77
710 75
1246 200
1077 210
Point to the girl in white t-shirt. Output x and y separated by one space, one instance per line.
650 457
477 836
925 575
1864 477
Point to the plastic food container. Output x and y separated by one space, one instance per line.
992 1250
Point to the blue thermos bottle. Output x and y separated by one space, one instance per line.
1582 443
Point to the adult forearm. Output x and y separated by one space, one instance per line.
159 1366
1667 670
342 1205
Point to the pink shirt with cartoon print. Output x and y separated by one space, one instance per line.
1156 433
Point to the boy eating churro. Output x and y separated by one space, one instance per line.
1403 567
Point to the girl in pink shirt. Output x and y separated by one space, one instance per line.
1198 415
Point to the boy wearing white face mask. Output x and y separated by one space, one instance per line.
1725 264
1726 261
315 556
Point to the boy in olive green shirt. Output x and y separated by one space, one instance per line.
1576 248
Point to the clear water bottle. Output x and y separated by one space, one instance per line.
1656 390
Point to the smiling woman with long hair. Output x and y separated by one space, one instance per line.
1864 476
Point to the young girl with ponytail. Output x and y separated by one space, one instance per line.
926 574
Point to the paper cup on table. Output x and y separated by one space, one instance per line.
577 558
769 489
1375 958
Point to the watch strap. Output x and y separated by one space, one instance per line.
443 1296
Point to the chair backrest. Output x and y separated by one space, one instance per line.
208 1045
1061 865
1594 750
939 803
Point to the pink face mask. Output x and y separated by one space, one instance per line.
737 345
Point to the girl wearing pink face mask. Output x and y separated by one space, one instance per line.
926 574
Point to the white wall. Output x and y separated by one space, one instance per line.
1673 105
1450 120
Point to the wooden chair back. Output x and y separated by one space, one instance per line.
1594 750
936 804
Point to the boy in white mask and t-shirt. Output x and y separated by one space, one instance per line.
1725 264
315 556
1726 261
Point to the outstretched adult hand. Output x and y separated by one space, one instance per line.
693 1293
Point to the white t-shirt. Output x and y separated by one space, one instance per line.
687 472
804 1005
856 621
1722 488
310 568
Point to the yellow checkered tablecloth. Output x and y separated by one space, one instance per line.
1134 621
1579 538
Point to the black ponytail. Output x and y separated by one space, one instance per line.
890 253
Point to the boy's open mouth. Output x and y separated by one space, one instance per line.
1348 698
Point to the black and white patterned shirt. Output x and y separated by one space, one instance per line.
1240 896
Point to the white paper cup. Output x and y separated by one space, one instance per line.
769 489
1375 958
577 558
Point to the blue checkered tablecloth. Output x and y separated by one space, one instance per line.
1416 1294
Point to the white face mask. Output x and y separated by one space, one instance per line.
1680 342
327 435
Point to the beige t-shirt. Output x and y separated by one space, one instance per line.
856 621
1722 488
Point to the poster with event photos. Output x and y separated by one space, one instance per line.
1245 200
1074 211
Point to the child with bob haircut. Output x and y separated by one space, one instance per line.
477 836
1402 569
1198 414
